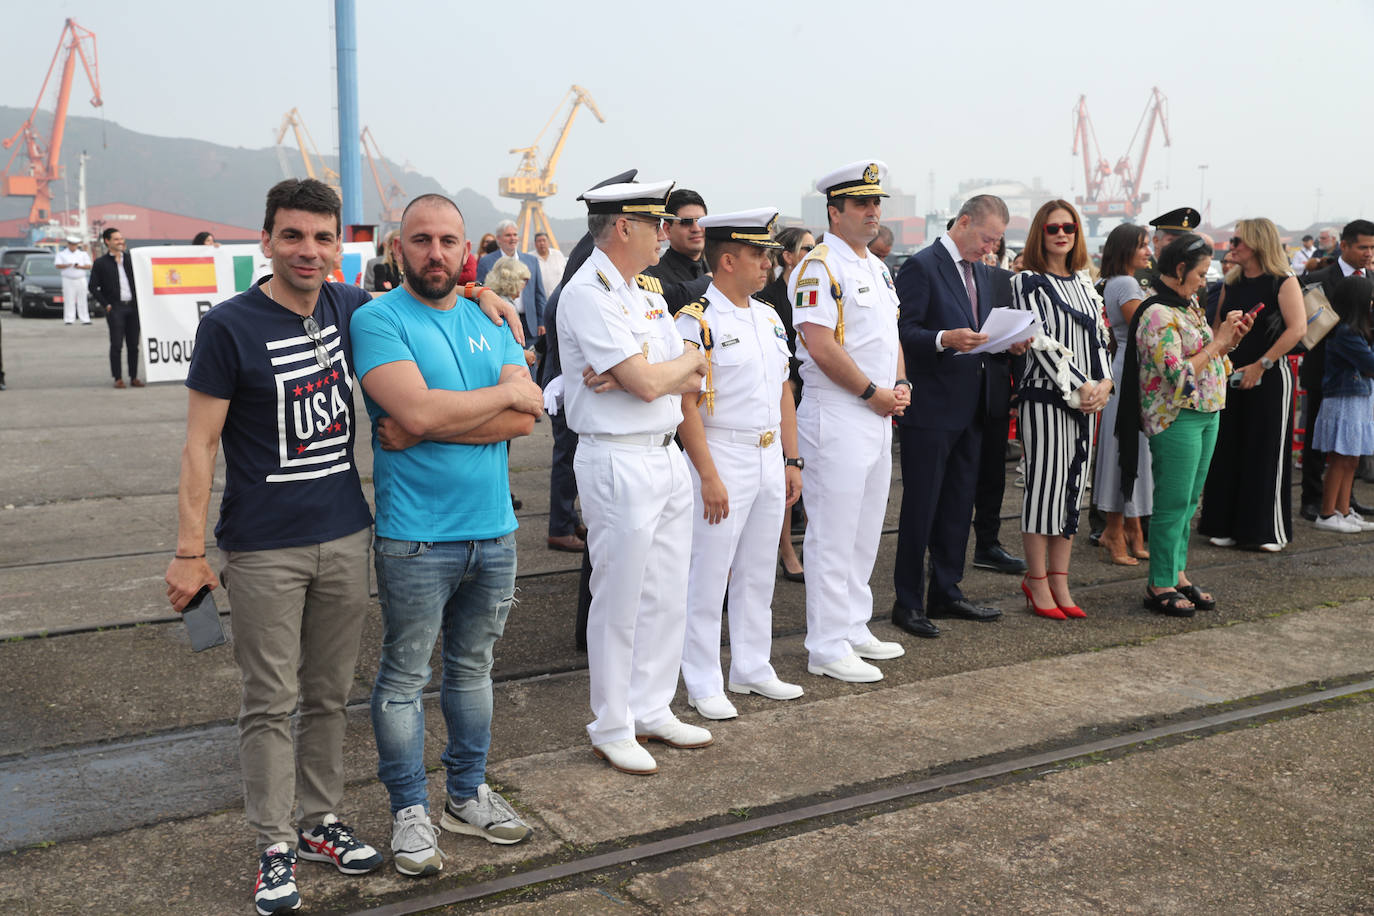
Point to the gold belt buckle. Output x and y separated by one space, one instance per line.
766 439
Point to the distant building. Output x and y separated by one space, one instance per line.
1021 199
139 225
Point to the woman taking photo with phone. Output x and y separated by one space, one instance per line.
1067 379
1174 389
1246 500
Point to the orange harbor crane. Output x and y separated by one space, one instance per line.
44 164
392 195
1115 191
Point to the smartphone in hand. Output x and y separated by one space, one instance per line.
202 621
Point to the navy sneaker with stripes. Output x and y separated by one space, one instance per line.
333 841
275 891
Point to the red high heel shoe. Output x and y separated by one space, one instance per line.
1052 612
1072 610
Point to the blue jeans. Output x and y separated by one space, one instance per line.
466 589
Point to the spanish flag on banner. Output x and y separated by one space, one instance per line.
175 276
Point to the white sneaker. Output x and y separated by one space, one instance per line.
1338 523
674 733
879 650
1223 542
851 668
414 843
773 689
716 707
627 756
1359 521
1271 547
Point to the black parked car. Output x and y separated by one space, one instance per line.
36 287
9 260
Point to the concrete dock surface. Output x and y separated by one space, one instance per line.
119 785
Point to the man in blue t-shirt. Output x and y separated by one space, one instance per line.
445 390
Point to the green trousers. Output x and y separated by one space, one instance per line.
1179 457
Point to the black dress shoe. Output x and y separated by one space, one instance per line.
1310 511
914 621
963 609
997 559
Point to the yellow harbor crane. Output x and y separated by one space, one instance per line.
306 144
530 184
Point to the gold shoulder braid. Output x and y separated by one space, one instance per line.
697 310
649 284
819 254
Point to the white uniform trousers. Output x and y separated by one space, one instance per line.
74 300
741 550
848 454
636 501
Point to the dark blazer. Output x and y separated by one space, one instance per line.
532 297
104 282
946 384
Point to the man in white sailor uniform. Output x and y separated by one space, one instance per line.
624 371
736 432
845 310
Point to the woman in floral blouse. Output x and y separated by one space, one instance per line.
1182 370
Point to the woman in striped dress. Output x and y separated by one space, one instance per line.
1067 379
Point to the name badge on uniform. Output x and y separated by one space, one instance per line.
729 341
862 290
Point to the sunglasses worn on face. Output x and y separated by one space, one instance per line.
1236 240
1056 228
687 223
312 330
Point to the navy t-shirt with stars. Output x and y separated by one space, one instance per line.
288 436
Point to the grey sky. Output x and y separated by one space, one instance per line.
749 103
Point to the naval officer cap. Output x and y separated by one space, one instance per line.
1184 219
752 227
858 179
647 198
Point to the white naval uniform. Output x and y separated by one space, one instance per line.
846 446
74 282
749 363
636 499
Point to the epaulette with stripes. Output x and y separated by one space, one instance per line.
649 284
696 310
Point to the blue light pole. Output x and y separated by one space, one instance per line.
350 154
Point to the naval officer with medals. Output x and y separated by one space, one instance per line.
624 371
740 434
844 307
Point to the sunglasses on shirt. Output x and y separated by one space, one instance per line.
312 330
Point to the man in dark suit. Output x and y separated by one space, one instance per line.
1356 255
945 292
531 304
112 285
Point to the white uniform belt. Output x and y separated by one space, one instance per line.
646 440
742 436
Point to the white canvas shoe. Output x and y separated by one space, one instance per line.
627 756
851 668
716 707
1359 521
878 650
773 689
1338 523
674 733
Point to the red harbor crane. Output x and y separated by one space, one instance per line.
34 177
1115 191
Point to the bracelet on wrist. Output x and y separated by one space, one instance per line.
473 290
189 556
904 383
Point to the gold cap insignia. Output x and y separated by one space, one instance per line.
871 173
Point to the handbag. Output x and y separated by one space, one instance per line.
1321 317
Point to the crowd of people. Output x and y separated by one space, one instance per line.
696 393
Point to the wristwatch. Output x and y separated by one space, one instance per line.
868 392
798 463
1266 362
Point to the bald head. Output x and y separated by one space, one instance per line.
429 200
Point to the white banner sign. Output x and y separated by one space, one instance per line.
177 284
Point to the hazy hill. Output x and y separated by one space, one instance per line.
222 183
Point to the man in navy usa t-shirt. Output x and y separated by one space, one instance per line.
445 390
